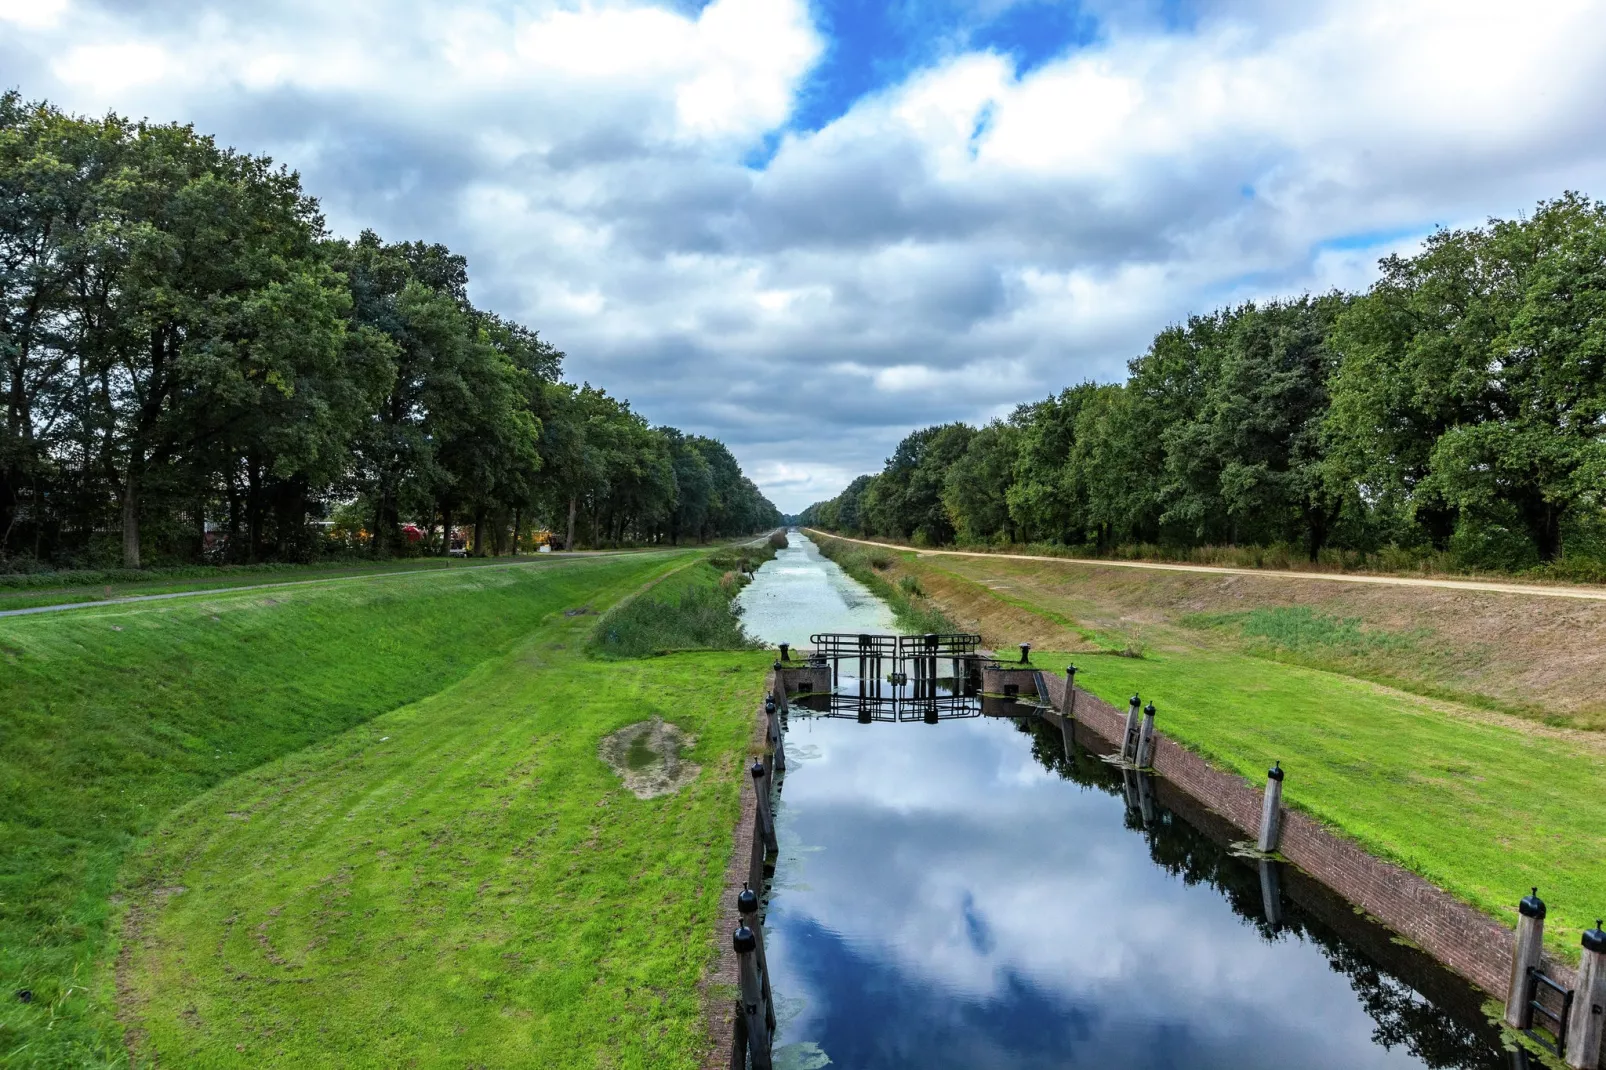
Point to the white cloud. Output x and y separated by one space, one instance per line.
956 241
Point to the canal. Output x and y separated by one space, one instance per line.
988 892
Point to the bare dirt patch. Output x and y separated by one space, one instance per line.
646 755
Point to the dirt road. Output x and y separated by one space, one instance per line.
1593 594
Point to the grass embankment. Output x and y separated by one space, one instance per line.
116 716
27 590
1480 803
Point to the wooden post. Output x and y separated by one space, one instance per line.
752 997
1129 740
747 907
773 731
1271 810
1146 739
766 821
1525 957
1588 1023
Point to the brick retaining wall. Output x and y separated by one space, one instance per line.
1463 938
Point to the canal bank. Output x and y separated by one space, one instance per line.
949 895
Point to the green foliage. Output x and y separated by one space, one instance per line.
193 363
691 610
1455 413
116 716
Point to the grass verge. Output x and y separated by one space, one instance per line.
117 716
460 882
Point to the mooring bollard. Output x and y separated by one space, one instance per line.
1525 958
1271 810
784 655
747 907
1129 740
766 821
1025 652
1588 1022
752 996
1069 705
1146 739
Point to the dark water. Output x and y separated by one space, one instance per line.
986 893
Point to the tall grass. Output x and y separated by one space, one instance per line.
691 610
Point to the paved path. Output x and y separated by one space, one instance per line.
534 560
1595 594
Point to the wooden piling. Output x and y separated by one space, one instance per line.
1588 1022
1271 810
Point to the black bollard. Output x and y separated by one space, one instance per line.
1025 651
766 821
747 907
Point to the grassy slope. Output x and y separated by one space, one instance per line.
47 589
1480 805
477 889
1535 657
115 716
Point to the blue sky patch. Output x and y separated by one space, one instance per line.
871 45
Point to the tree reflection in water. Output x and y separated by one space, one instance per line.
1415 1002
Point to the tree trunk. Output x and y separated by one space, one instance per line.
253 508
479 533
517 516
446 531
131 511
569 545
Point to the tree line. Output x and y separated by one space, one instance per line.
1456 408
194 367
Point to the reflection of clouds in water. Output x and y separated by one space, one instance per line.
800 593
943 863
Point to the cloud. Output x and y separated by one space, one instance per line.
969 224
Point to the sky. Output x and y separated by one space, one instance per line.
809 228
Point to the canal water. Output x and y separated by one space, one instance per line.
987 892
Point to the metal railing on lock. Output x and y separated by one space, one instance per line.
1536 981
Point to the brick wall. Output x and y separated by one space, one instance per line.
726 1051
1464 939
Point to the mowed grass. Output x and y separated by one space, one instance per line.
462 882
114 717
1483 805
69 588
